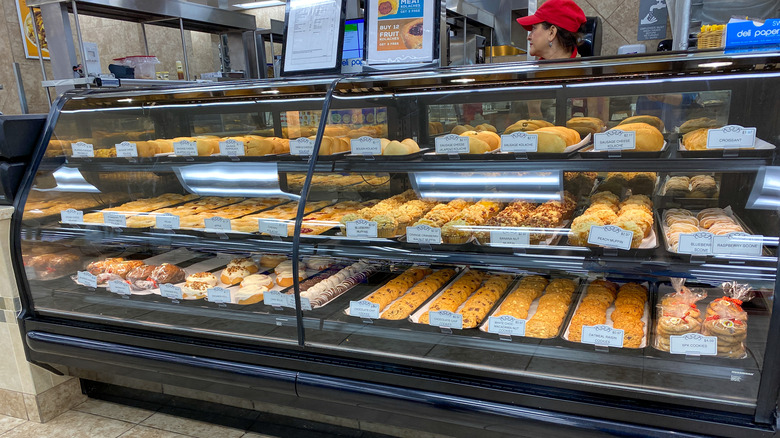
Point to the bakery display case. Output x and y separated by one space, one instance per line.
590 242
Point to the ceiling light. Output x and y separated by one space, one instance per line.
261 4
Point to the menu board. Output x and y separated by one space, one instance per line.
400 31
313 35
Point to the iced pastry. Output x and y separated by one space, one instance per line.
334 285
198 284
257 280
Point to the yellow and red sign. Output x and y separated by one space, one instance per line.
29 22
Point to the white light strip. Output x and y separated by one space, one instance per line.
261 4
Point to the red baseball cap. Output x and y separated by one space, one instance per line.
562 13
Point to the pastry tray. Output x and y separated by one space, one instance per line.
645 316
648 245
762 149
568 152
630 154
554 235
332 157
661 192
433 156
370 158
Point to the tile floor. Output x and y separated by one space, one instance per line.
102 419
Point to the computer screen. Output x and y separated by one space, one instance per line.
353 39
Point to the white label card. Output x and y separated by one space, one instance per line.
71 216
167 221
366 146
444 318
361 228
272 227
218 295
277 299
364 309
506 325
217 224
731 136
510 237
114 219
185 148
119 287
614 140
695 243
301 146
602 335
610 236
86 279
81 149
170 291
738 244
694 344
305 303
423 234
231 148
126 149
519 142
452 144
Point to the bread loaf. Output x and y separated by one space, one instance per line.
650 120
526 125
569 135
549 142
586 125
648 138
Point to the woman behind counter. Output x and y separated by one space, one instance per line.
554 30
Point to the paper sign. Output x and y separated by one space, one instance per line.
401 32
71 216
519 142
119 287
301 146
444 318
506 325
277 299
731 136
126 149
272 227
750 34
452 144
231 148
364 309
695 243
167 221
81 149
86 279
694 344
218 295
185 148
170 291
614 140
361 228
366 146
602 335
510 237
610 236
738 244
217 223
305 303
114 219
423 234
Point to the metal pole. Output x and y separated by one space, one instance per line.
20 88
146 42
81 42
40 55
184 49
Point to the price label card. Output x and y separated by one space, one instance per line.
31 273
114 219
510 237
218 295
167 221
364 309
119 287
519 142
694 344
602 335
301 146
71 216
185 148
217 223
82 150
452 144
444 318
231 148
86 279
731 136
361 228
277 299
305 303
170 291
506 325
695 243
366 146
273 227
614 140
610 236
423 234
738 244
126 149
